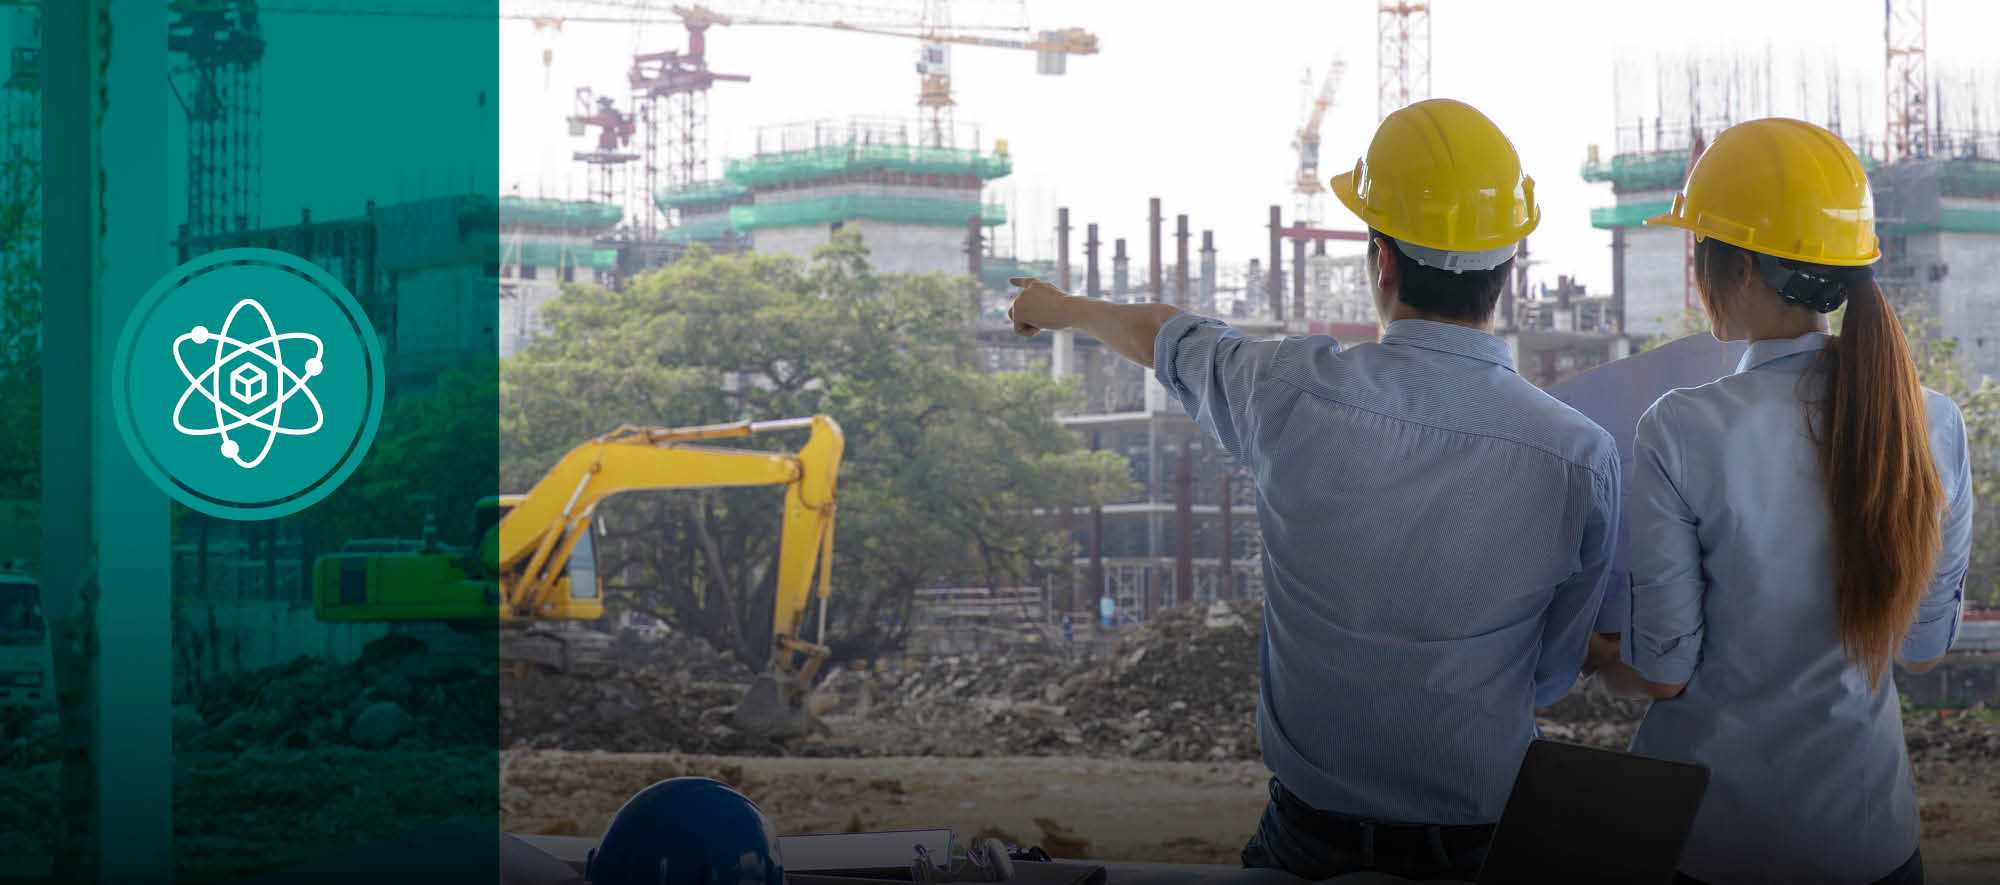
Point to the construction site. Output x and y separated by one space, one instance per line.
1071 663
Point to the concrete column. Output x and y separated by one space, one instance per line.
1208 265
1090 244
1153 271
1274 282
105 242
1299 282
1121 270
1225 550
1062 248
1062 354
1184 524
1062 348
1181 262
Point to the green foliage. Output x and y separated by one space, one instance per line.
1691 321
949 475
1942 369
438 444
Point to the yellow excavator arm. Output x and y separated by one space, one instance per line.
543 527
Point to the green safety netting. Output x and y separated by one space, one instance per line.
698 193
821 162
1654 171
897 210
995 272
1953 220
546 254
1660 170
1628 215
558 214
1969 178
705 229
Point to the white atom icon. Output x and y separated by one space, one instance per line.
248 384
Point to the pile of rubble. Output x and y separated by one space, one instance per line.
391 697
1182 687
634 711
672 653
1951 736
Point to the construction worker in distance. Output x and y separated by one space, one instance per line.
1436 528
1796 528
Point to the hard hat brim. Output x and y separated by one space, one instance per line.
1669 219
1342 186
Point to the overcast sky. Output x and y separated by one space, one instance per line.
1196 103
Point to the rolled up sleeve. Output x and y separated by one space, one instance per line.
1214 371
1663 640
1939 614
1566 628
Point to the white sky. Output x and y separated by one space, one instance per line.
1196 103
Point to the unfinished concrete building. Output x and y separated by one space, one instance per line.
1936 187
543 244
911 196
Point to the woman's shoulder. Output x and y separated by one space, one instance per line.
1711 401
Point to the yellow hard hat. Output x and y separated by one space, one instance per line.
1782 187
1441 177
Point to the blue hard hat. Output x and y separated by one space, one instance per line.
688 831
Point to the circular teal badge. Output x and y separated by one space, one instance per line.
248 384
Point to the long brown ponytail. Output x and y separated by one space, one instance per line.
1882 487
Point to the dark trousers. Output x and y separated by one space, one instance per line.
1313 844
1910 873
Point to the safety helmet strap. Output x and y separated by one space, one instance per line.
1822 289
1457 262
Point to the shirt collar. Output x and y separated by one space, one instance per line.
1766 350
1450 338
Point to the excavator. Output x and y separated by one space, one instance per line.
535 562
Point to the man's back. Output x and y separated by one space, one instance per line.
1436 531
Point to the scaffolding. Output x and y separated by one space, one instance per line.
562 215
821 173
224 99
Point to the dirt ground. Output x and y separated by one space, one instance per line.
1183 812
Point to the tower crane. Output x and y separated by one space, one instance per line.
614 133
1307 189
1052 49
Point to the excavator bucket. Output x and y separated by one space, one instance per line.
774 708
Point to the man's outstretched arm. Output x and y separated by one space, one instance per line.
1128 329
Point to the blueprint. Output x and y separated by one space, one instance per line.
1614 395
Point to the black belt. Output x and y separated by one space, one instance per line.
1372 839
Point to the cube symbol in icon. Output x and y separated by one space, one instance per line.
246 383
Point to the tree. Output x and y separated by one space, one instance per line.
435 451
1943 369
951 474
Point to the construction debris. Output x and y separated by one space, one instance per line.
390 697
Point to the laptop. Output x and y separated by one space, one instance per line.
1580 814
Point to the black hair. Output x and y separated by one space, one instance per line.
1468 296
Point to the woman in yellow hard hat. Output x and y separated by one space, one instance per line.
1797 529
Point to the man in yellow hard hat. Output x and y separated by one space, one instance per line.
1436 529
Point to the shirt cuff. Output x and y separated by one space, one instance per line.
1167 346
1933 633
1667 658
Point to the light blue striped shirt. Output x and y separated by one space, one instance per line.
1732 570
1436 534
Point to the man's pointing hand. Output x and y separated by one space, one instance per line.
1039 306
